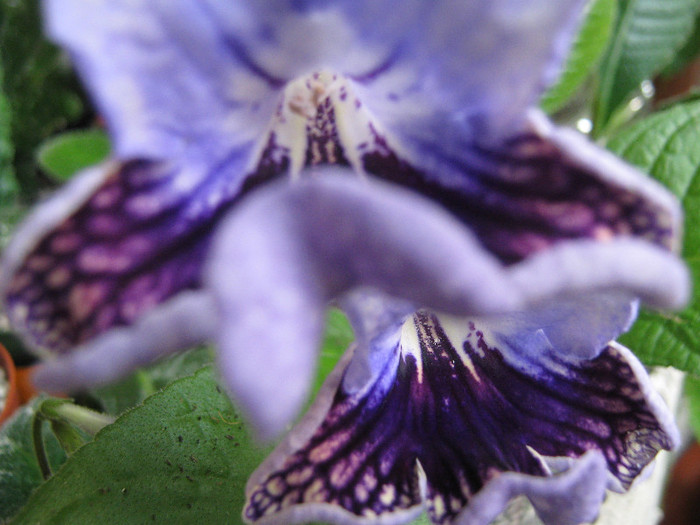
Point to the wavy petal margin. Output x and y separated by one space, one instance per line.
188 76
295 247
461 426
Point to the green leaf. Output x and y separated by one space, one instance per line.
118 397
8 184
692 392
648 33
665 145
65 154
190 417
687 53
42 92
337 338
19 470
181 457
585 53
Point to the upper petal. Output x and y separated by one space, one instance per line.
469 70
193 74
164 76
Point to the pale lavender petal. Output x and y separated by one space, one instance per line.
172 86
377 321
478 421
622 266
283 254
469 70
551 497
580 326
180 323
195 75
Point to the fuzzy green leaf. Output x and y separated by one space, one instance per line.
65 154
181 457
692 392
42 92
585 53
665 145
19 470
647 35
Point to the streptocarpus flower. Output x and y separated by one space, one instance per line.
271 157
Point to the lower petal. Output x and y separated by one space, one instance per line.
464 425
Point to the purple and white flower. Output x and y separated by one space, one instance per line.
271 158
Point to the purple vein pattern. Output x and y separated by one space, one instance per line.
459 414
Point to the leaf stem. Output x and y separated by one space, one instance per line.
39 448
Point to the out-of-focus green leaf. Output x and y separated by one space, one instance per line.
665 145
584 55
336 340
687 53
65 154
42 92
181 457
692 392
19 470
118 397
8 183
647 36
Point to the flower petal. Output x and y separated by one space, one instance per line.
468 70
580 326
115 243
198 74
181 322
472 420
173 86
283 254
534 189
551 497
295 247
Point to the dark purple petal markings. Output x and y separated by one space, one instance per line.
135 243
462 415
143 236
524 196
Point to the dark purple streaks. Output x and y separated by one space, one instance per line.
525 197
463 420
135 243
